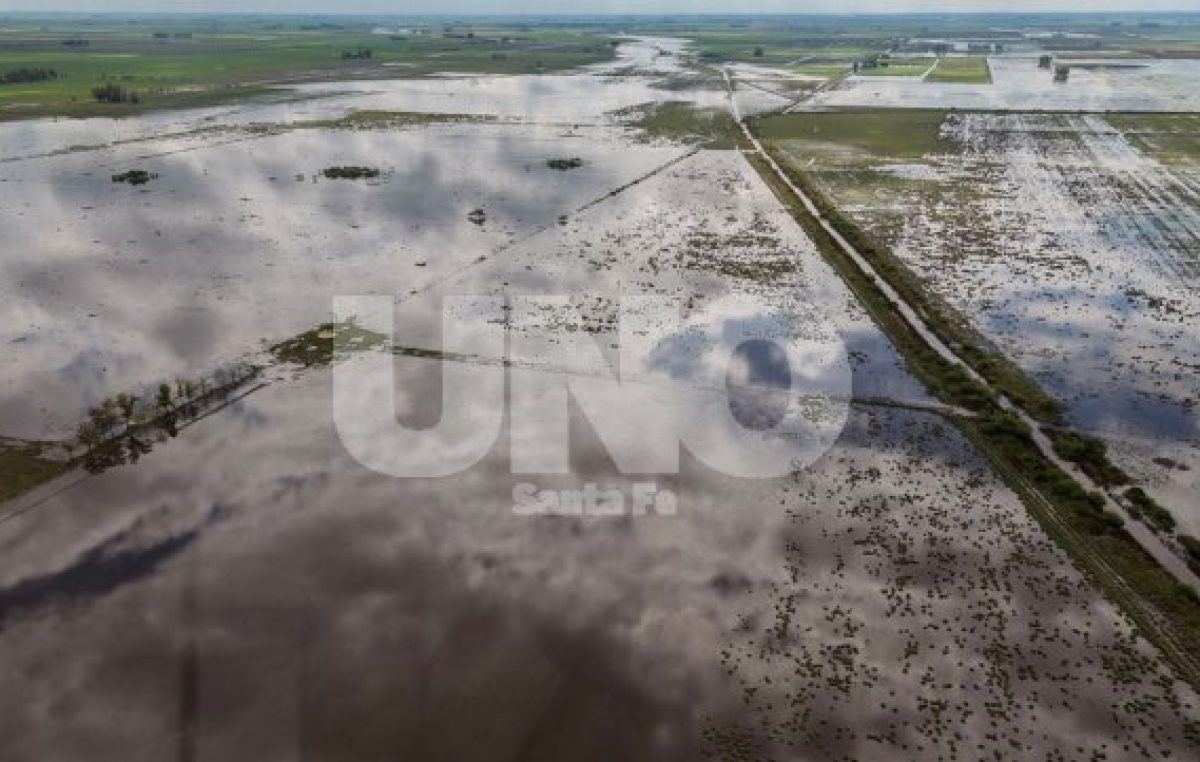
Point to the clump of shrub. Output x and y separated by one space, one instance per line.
25 74
321 345
1010 434
113 93
350 173
1090 454
1192 547
134 177
1005 425
564 164
1147 509
360 54
962 388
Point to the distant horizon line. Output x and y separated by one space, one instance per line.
604 14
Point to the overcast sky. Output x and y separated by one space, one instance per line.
592 6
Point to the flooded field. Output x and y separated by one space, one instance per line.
239 239
248 589
894 599
1071 246
1018 84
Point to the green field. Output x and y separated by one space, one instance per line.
898 69
1170 138
684 122
827 71
882 133
966 69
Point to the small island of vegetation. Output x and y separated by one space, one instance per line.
111 93
350 173
564 164
25 74
134 177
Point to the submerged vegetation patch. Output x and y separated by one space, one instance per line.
111 93
1074 517
685 123
134 177
942 319
350 173
321 345
565 164
752 254
375 119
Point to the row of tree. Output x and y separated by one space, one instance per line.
24 74
123 428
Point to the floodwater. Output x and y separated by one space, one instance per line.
1079 254
251 590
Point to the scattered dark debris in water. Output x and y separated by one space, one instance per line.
1137 295
134 177
563 165
376 120
350 173
477 216
320 345
1171 464
750 254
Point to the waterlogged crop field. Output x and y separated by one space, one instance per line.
1071 240
180 62
887 597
